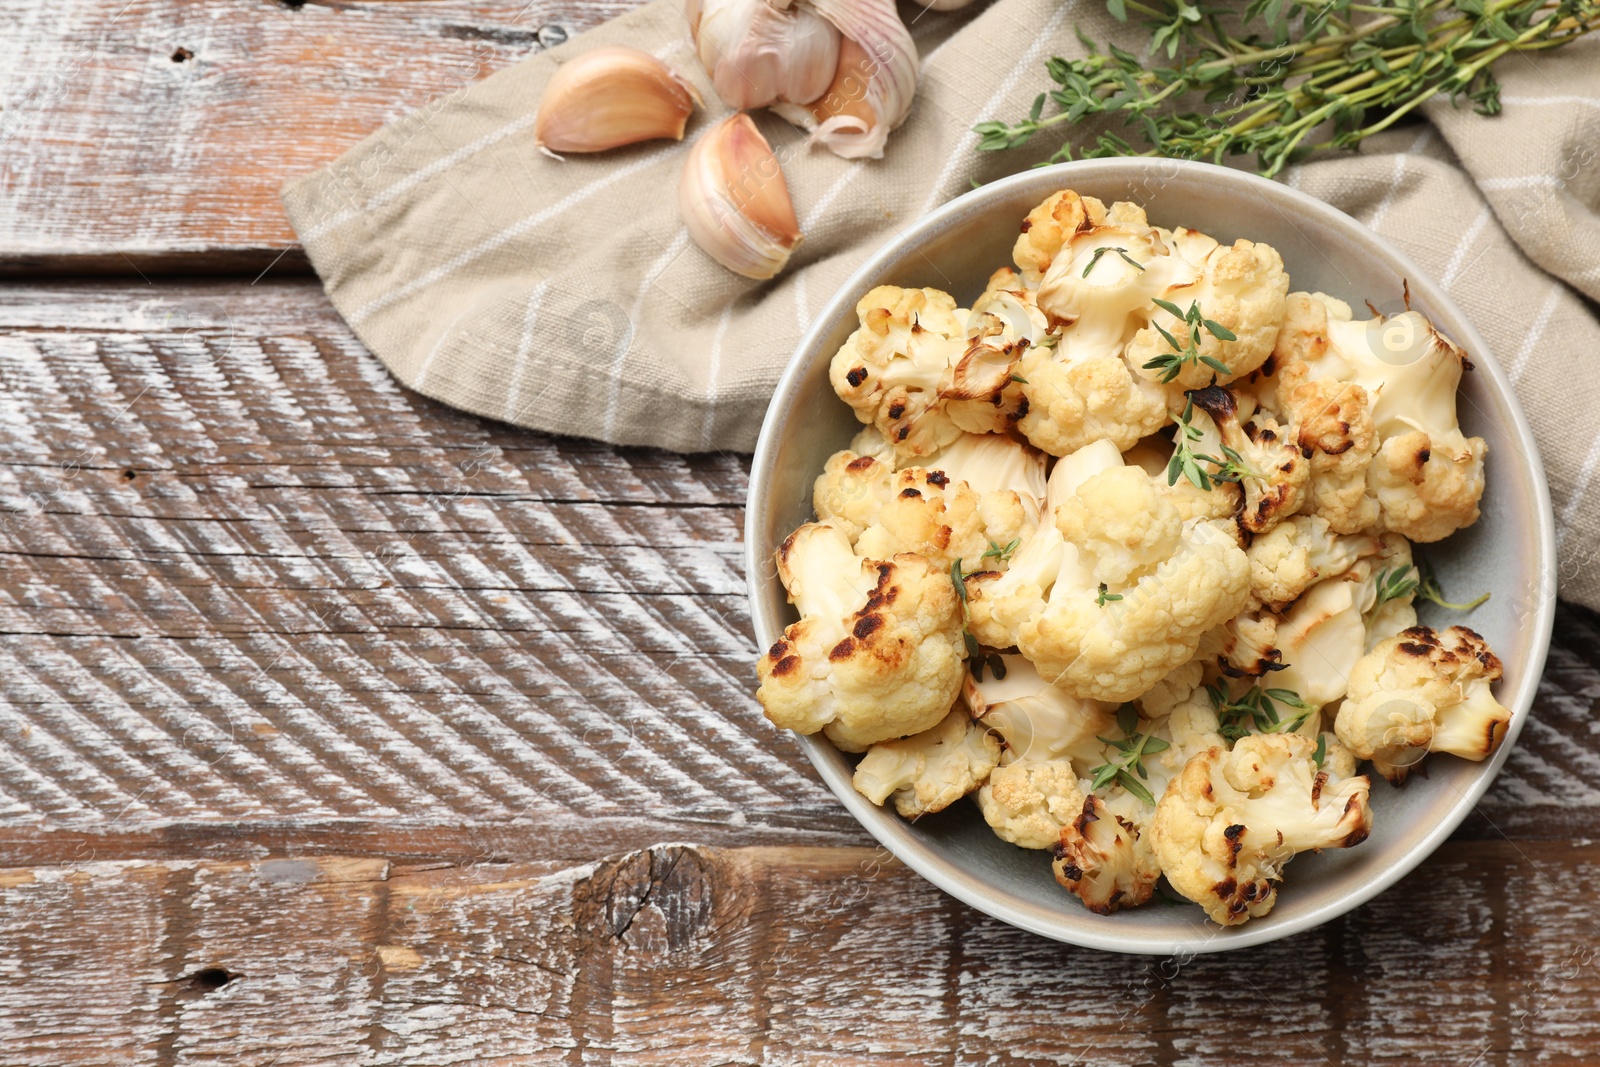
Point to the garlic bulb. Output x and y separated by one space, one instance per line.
611 97
759 53
844 69
735 202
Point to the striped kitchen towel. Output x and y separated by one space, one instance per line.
567 297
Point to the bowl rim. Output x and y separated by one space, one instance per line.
893 832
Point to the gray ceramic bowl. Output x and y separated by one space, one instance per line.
1510 551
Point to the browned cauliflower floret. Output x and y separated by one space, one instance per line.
913 370
1421 691
1049 226
966 502
1241 288
1424 477
1117 593
1071 400
877 653
1036 720
1226 826
1028 802
1256 452
1333 426
928 772
1295 555
1104 856
1429 484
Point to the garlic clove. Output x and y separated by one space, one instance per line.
760 53
735 202
611 97
873 86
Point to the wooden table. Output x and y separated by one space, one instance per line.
339 727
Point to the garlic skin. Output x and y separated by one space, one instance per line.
735 202
873 85
759 53
610 97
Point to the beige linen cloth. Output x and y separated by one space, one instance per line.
567 297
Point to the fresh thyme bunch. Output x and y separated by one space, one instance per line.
1301 76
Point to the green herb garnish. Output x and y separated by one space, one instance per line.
1129 760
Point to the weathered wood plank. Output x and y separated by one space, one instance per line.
685 955
321 600
156 133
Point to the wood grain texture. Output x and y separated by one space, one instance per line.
692 955
159 132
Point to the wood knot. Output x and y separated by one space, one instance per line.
656 900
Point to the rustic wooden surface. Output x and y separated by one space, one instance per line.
339 727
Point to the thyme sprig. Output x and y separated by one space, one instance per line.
1290 76
1393 583
1103 249
1127 766
1002 552
1257 708
1170 364
1105 596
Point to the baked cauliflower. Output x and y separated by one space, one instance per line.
1227 825
928 772
1036 720
1096 271
1123 551
1104 856
1396 414
1255 452
877 653
1295 555
1241 287
1116 593
1423 691
913 371
964 503
1028 802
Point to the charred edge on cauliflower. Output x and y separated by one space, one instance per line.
1424 642
1278 496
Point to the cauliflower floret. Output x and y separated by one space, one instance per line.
966 502
1036 720
1226 826
1246 646
1095 289
1428 485
1425 475
1291 557
1179 685
1241 288
1319 641
1255 451
1133 589
912 358
1028 802
928 772
1423 691
1104 856
1333 426
1072 398
877 653
1153 455
999 604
